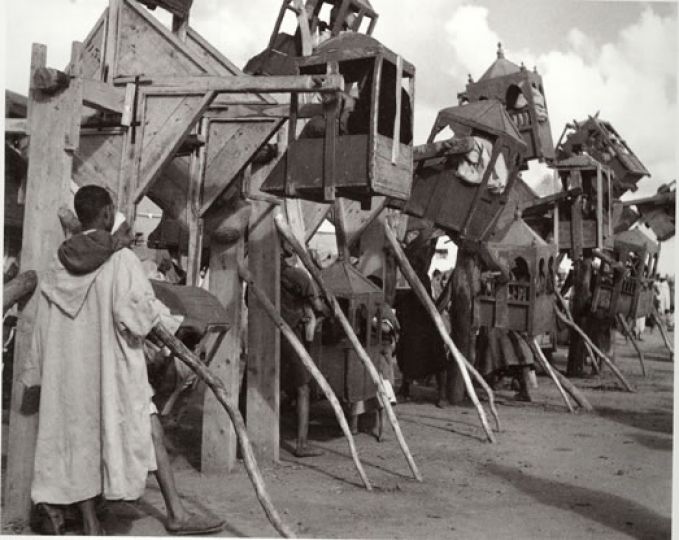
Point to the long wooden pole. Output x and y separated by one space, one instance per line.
596 349
630 336
217 386
663 331
539 355
309 364
363 356
462 363
568 313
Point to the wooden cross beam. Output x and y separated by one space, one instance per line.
242 84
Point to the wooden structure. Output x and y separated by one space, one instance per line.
657 212
522 93
586 219
626 288
361 301
144 110
599 139
363 21
442 191
521 297
360 146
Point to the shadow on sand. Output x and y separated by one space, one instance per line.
612 511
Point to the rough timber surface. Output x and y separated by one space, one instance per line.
553 475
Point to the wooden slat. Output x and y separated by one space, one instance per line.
164 146
235 154
16 126
102 96
243 84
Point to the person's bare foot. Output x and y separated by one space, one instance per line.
442 403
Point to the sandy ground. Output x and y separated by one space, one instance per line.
605 474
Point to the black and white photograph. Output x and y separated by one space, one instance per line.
354 269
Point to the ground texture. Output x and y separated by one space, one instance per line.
605 474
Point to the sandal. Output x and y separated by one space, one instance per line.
195 524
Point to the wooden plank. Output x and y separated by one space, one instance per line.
145 46
218 449
164 146
200 84
234 155
396 139
110 53
600 208
102 96
16 126
195 250
48 187
263 369
94 47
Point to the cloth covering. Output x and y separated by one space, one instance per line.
94 432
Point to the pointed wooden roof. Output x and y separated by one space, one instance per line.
487 115
500 67
637 238
517 233
345 281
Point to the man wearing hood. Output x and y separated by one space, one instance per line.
95 435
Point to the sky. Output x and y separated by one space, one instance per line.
612 57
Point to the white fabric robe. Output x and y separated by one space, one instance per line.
94 432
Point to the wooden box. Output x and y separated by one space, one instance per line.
361 144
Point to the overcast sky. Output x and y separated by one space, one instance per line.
619 58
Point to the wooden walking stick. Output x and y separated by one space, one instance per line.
185 355
363 356
309 364
630 336
663 330
596 349
462 363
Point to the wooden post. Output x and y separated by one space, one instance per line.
218 449
263 369
51 125
197 168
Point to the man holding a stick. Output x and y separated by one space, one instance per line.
98 432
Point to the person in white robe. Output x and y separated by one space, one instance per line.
95 435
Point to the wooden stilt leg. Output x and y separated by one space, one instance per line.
603 357
216 385
310 366
628 332
663 331
537 352
428 304
349 331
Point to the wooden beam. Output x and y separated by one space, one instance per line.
16 126
49 80
218 449
263 369
202 84
449 147
47 188
102 96
164 146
